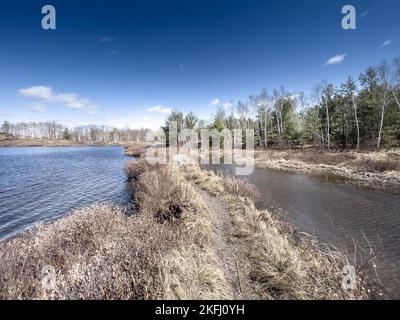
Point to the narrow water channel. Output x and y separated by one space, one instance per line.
341 214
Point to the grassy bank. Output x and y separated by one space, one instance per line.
195 236
379 170
6 140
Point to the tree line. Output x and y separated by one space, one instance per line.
359 113
52 130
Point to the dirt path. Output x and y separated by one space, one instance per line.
233 260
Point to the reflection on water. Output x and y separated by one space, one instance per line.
42 184
338 213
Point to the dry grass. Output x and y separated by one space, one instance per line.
308 156
99 253
287 265
361 162
133 169
368 164
284 263
168 249
190 270
207 180
136 150
241 188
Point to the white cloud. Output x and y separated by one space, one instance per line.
130 120
215 102
228 105
159 109
364 13
37 92
339 58
37 107
385 44
367 12
106 39
70 100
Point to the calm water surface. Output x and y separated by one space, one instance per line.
43 184
341 214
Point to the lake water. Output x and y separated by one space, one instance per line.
43 184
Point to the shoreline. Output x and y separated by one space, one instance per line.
389 182
191 231
127 146
349 171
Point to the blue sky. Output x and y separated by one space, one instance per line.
127 63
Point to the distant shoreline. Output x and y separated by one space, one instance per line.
14 143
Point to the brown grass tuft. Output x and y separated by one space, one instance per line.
287 265
97 253
366 164
241 188
132 169
165 251
284 264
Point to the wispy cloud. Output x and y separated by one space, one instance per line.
159 109
339 58
228 105
367 12
106 39
37 107
70 100
215 102
385 44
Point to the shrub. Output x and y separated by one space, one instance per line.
132 169
97 253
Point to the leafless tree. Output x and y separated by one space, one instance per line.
384 78
396 87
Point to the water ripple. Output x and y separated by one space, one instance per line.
38 185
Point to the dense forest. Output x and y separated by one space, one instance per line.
52 130
359 113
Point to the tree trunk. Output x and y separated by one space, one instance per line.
357 124
265 132
396 99
381 124
328 126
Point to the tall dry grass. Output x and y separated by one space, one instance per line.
97 253
191 269
164 251
376 162
284 264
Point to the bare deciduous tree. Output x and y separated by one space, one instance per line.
384 78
